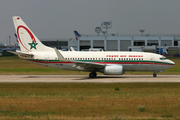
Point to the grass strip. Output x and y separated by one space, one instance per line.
12 65
89 101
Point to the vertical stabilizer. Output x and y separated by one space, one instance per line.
27 40
77 35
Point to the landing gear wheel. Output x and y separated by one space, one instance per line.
154 75
93 75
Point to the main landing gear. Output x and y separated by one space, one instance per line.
92 74
154 75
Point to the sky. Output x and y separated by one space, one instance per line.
59 18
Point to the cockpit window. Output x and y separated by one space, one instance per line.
163 58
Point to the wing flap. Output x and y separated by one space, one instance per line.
89 65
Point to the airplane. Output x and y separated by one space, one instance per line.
16 37
107 62
77 35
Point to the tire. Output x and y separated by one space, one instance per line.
154 75
92 75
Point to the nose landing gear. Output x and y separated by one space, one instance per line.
154 75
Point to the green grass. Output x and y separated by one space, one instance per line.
13 65
89 101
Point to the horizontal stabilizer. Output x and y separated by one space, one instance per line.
22 55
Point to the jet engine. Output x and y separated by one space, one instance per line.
113 70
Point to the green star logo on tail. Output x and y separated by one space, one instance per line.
33 45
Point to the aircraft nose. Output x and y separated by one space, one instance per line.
173 63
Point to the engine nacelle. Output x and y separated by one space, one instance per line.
113 70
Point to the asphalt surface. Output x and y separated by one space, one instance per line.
86 79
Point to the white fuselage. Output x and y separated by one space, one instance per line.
131 61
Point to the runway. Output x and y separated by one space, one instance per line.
86 79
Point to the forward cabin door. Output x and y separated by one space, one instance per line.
151 67
151 59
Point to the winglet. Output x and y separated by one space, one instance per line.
72 49
60 56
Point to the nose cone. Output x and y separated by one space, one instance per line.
171 63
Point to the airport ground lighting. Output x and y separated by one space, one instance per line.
142 31
98 30
106 25
104 32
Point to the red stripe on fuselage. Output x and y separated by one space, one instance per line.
141 63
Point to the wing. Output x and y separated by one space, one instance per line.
88 66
